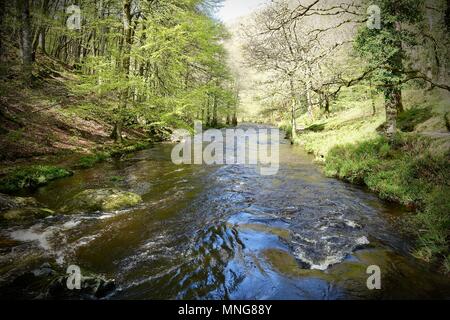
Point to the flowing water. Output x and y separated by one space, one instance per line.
225 232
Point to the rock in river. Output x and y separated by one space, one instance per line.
92 200
19 209
9 202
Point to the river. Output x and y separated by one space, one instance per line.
226 232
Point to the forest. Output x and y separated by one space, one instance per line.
156 62
93 93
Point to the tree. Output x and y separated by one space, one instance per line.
24 18
292 53
154 62
165 66
384 51
126 60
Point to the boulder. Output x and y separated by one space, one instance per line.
26 213
19 209
9 202
92 287
93 200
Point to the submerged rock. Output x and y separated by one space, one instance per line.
92 287
26 213
9 202
19 209
101 200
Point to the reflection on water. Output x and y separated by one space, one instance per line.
224 232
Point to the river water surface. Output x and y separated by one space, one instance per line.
225 232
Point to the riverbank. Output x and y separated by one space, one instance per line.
50 129
414 171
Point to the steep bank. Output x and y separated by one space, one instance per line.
52 123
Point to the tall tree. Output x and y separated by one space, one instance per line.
384 50
24 18
126 61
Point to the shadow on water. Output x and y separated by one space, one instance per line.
224 232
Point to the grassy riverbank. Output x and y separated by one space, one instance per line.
414 171
30 176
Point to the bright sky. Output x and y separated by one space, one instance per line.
233 9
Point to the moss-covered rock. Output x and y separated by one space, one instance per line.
9 202
92 200
19 209
26 213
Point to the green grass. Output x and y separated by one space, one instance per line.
130 148
316 127
336 133
407 172
117 179
31 177
91 160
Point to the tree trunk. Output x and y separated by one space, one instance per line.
127 31
372 98
39 39
393 92
293 109
327 104
398 63
235 120
391 106
214 119
117 132
42 40
208 113
308 93
310 105
398 99
203 114
293 121
447 16
2 15
23 10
